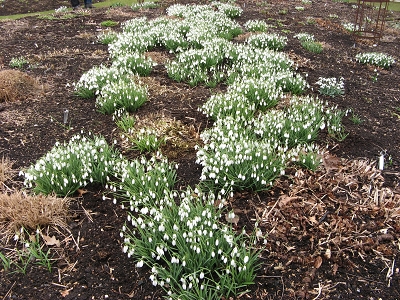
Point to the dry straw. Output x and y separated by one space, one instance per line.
16 86
6 171
19 210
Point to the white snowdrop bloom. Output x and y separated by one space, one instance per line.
233 263
139 264
245 259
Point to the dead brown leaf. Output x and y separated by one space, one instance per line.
335 269
285 199
81 192
64 293
51 241
318 262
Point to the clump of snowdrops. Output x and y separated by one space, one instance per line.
144 5
69 166
231 11
107 37
250 153
256 26
147 140
331 86
268 41
190 253
124 93
178 235
375 58
308 42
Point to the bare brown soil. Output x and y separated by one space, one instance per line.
332 234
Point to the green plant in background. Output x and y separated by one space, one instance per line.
283 12
228 9
109 23
123 93
299 8
314 47
107 37
304 37
117 4
350 27
309 158
133 63
144 5
147 140
92 81
310 21
256 26
356 119
31 250
18 62
5 261
375 58
331 86
61 10
335 127
69 166
267 41
124 120
308 42
197 66
333 16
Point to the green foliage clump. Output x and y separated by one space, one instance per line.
268 41
123 93
107 37
18 62
69 166
256 26
109 23
375 58
190 253
313 47
331 86
147 140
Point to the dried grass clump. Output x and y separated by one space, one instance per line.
20 210
17 86
6 171
179 137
